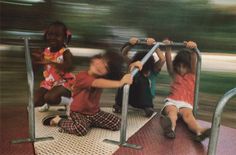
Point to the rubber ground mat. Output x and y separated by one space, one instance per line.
90 144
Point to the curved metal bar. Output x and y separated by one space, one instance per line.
215 128
30 108
197 81
126 92
198 68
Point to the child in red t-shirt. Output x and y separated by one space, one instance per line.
104 72
181 97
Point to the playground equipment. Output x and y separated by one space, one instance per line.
30 108
123 139
215 128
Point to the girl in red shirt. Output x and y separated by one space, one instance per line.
181 97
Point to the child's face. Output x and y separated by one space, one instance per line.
182 69
98 67
55 37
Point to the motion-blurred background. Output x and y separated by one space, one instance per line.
98 25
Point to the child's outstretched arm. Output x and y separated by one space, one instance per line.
105 83
169 64
159 64
192 45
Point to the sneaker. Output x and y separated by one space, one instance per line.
203 136
148 112
44 108
116 109
167 127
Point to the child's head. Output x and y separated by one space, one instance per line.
56 35
108 65
182 62
148 66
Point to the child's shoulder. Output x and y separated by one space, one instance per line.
82 74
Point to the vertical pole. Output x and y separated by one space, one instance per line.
197 81
30 107
30 77
216 121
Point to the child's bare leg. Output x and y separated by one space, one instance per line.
189 119
39 97
53 97
171 111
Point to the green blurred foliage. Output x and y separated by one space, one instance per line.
214 28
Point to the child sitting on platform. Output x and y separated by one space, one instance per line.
57 62
181 97
143 89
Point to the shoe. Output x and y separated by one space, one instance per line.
167 126
44 108
48 120
148 111
116 109
203 136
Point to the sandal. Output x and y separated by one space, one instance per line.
167 127
203 136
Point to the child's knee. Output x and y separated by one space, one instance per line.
187 115
51 99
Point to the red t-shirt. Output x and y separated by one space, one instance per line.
85 97
182 88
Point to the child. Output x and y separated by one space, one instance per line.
180 100
57 61
143 89
103 72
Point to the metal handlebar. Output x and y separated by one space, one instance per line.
215 128
122 141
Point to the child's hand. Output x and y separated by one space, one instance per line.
137 64
190 44
167 42
126 79
133 40
150 41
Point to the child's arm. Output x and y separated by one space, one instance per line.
104 83
192 45
67 63
137 64
159 64
169 60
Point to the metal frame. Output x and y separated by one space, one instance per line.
215 128
30 108
123 139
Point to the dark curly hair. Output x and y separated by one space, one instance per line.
148 66
115 62
183 57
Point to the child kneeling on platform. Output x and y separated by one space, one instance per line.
105 71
